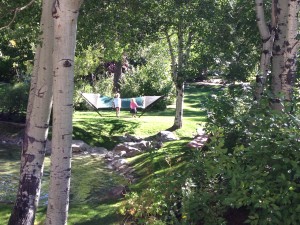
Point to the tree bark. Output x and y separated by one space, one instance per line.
117 76
178 62
179 106
285 49
33 83
267 34
37 124
65 14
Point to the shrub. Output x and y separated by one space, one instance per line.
152 77
252 164
14 101
144 82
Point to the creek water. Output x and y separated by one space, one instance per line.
90 182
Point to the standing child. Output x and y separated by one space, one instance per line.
117 104
133 107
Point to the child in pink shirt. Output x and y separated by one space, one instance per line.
133 107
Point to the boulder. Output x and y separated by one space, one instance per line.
79 146
130 149
118 163
165 136
98 150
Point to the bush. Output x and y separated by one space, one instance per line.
152 77
145 83
252 164
14 102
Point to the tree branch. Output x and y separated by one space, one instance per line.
16 11
261 22
171 50
188 45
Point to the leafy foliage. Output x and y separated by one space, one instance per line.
17 41
14 101
152 77
252 163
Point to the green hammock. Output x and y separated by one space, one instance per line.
103 102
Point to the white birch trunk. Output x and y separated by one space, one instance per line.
177 66
291 50
179 80
65 14
179 106
37 124
267 35
33 82
284 53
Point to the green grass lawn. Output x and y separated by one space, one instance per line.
90 178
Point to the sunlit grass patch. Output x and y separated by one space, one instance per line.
5 210
92 180
91 214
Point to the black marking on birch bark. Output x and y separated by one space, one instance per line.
290 77
25 143
67 62
29 157
31 139
259 79
266 39
286 43
43 127
289 50
266 51
40 93
63 136
277 48
291 60
278 10
54 9
275 100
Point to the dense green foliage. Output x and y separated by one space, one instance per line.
147 75
17 41
251 164
248 172
14 101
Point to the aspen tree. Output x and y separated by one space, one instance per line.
65 14
37 124
281 45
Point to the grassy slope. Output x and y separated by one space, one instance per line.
90 179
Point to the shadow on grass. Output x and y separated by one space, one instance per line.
9 152
104 213
102 132
151 165
5 210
